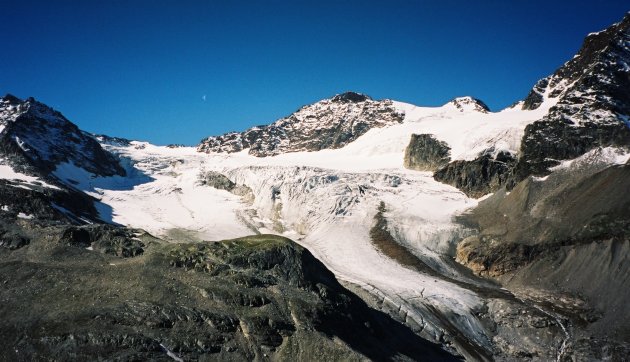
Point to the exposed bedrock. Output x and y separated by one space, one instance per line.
328 124
426 153
219 181
547 142
485 174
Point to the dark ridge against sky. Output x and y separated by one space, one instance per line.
178 71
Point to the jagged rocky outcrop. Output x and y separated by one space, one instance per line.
548 141
256 298
45 204
330 123
425 153
467 104
593 104
485 174
35 139
216 180
592 109
113 141
219 181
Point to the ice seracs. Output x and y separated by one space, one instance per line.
326 199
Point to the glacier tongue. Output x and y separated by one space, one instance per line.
332 212
327 201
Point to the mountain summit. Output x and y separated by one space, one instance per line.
592 103
467 104
330 123
36 139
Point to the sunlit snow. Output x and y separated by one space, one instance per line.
325 200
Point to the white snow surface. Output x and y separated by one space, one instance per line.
22 215
7 173
326 201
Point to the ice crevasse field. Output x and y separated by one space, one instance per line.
325 200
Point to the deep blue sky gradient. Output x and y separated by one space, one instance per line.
139 69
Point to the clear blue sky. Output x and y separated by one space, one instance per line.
139 69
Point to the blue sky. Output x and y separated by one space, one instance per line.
141 69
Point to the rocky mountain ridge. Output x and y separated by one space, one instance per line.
593 105
468 104
591 109
36 139
328 124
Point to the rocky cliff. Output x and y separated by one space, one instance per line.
35 138
593 104
425 153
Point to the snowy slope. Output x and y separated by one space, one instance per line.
20 179
326 200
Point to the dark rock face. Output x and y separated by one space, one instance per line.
254 298
37 138
483 175
535 97
598 69
12 237
115 141
331 123
217 180
45 205
548 141
107 239
593 104
350 97
425 153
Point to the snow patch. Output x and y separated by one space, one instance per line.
7 173
22 215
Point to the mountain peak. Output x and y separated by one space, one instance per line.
600 66
329 123
588 102
36 138
11 99
350 97
467 104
